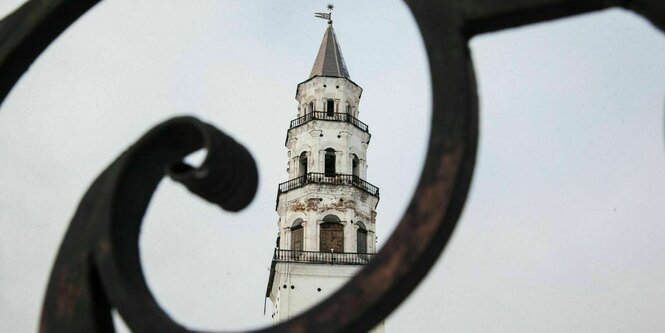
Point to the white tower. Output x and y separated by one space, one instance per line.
326 208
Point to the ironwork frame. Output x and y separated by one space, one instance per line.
98 267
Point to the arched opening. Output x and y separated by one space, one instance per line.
332 235
329 162
330 107
302 164
348 108
311 106
361 238
355 166
297 232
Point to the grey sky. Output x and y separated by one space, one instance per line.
563 228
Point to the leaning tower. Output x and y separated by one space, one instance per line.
327 209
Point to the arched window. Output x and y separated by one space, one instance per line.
330 107
297 235
311 106
361 238
331 219
355 165
302 165
329 162
348 107
332 235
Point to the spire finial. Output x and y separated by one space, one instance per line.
328 15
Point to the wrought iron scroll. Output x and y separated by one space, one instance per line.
98 265
98 268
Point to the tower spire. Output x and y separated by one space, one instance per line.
329 61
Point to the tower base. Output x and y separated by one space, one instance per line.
297 287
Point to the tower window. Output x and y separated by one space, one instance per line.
348 108
311 106
361 239
302 170
355 166
332 235
297 235
329 162
330 108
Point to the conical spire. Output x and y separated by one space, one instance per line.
329 61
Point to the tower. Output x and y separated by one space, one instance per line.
327 209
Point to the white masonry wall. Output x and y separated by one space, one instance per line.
316 136
297 287
313 202
320 89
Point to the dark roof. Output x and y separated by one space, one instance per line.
329 61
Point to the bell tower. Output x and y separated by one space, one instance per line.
326 208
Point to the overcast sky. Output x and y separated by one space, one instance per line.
563 229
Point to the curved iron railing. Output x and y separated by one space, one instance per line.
337 116
322 178
315 257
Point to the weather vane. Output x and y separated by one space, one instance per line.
328 15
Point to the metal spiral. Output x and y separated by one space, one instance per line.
98 269
227 177
98 266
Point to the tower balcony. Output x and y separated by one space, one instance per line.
315 257
329 116
322 178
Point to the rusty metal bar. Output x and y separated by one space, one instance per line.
26 32
487 15
98 269
98 265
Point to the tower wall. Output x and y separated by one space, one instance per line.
313 202
314 137
319 89
298 287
